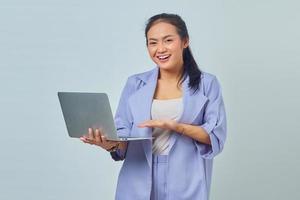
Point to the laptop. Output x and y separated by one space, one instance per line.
90 110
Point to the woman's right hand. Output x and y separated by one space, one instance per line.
94 137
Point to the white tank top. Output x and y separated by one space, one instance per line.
164 109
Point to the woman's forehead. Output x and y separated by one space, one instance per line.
162 30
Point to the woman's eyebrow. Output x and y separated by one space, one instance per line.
162 38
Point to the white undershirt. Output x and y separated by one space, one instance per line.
164 109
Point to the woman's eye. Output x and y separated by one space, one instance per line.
152 43
169 40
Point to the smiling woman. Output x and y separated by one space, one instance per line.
181 107
165 46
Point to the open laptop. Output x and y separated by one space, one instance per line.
89 110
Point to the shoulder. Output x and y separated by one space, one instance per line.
136 80
143 76
210 82
207 77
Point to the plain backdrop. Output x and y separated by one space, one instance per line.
48 46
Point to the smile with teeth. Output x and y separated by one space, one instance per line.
163 58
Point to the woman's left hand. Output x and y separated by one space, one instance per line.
164 124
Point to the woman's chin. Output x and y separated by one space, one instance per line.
167 67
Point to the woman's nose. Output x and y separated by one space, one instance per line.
161 48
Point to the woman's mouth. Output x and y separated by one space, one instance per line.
163 58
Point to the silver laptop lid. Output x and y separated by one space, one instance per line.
87 110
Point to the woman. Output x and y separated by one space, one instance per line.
177 104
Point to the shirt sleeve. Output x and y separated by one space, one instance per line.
118 155
123 118
214 121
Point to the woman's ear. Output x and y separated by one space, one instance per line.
186 42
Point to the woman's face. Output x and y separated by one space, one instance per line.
165 46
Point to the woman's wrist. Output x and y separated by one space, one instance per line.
114 148
180 128
119 146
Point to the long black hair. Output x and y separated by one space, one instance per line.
190 66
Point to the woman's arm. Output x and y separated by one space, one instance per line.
123 118
193 131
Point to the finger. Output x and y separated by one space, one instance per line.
91 134
98 136
102 135
148 124
144 124
85 140
103 138
90 141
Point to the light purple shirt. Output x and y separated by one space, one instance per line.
190 162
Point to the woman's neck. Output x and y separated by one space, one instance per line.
170 75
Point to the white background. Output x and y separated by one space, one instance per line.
49 45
